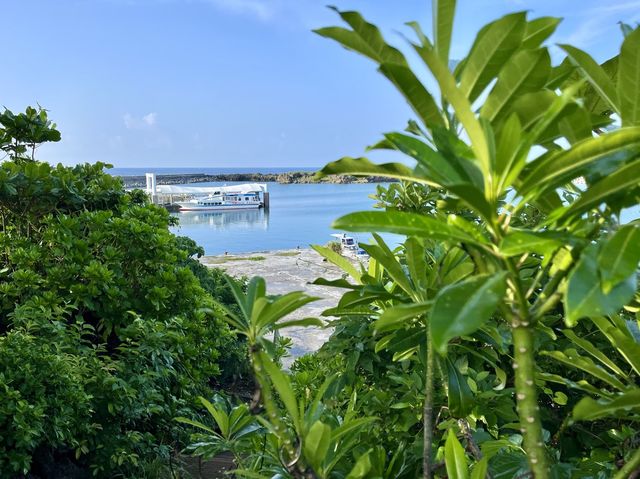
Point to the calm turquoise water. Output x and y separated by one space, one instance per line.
299 215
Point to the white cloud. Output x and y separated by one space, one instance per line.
600 20
617 7
261 9
134 123
150 118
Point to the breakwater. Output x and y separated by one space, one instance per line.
295 177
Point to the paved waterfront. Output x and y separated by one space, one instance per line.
286 271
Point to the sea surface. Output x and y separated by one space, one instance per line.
298 216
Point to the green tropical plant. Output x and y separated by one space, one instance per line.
492 145
21 134
303 439
236 427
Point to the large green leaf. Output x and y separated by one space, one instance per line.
593 351
531 107
388 260
462 308
526 71
316 443
507 145
361 468
458 175
414 93
619 255
460 399
220 416
414 253
629 79
567 74
537 112
404 343
560 74
576 124
616 331
365 38
282 384
408 224
462 106
595 74
518 242
199 425
580 385
302 322
493 46
350 426
364 167
538 30
607 190
443 13
589 409
398 316
584 296
480 469
552 171
454 458
440 170
572 359
340 261
273 310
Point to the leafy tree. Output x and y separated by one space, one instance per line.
21 134
108 327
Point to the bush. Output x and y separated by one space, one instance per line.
108 327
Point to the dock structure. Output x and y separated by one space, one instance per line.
170 194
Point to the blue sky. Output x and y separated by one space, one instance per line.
220 83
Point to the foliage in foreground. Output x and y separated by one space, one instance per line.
108 326
516 288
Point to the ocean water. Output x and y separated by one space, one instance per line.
299 215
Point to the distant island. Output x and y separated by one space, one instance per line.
294 177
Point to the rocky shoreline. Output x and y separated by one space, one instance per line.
294 177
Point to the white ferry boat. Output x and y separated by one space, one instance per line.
349 246
223 200
209 198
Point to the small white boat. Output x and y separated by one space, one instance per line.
349 246
223 201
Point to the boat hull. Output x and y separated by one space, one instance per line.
217 208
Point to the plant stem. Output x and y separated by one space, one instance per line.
427 410
630 467
526 394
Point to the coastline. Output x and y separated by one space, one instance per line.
293 177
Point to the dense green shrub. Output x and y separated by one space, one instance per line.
108 326
45 398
